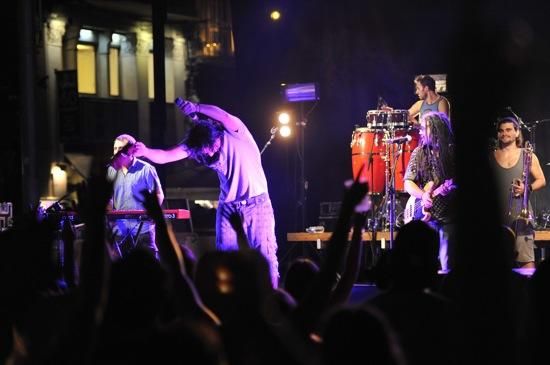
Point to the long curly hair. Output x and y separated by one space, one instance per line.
204 133
441 140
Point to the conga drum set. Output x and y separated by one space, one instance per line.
381 151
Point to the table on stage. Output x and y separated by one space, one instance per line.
542 238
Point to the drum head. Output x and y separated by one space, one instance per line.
377 119
398 119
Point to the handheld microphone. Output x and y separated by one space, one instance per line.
274 130
180 103
398 140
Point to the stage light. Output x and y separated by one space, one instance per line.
300 92
275 15
283 118
282 128
285 131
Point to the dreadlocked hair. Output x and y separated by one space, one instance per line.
442 140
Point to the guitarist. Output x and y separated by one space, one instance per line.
431 169
130 177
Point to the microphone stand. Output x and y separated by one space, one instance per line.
520 121
273 134
533 130
390 186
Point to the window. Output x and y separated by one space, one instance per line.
151 76
114 78
85 66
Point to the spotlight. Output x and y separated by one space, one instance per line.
283 128
285 131
283 118
275 15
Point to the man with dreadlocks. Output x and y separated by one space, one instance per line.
224 144
429 179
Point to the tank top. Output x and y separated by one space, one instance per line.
511 205
433 107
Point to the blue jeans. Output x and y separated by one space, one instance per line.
259 225
144 241
446 256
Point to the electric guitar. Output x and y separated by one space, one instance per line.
414 209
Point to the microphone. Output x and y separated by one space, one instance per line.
398 140
274 130
180 103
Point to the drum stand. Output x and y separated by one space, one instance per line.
388 206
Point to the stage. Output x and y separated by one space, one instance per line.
542 238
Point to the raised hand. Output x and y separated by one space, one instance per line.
356 196
140 149
187 107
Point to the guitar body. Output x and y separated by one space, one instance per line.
414 209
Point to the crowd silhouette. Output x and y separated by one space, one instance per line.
221 308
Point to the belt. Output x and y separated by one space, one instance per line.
251 201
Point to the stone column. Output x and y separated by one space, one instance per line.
169 69
70 41
180 76
143 45
102 64
53 51
128 68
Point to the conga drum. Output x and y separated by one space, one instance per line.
367 149
403 160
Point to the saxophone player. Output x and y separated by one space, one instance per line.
518 173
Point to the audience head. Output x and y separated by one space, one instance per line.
234 284
360 336
299 277
414 258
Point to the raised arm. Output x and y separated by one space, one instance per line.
189 301
229 121
317 301
160 156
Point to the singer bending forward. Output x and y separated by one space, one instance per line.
226 146
511 173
